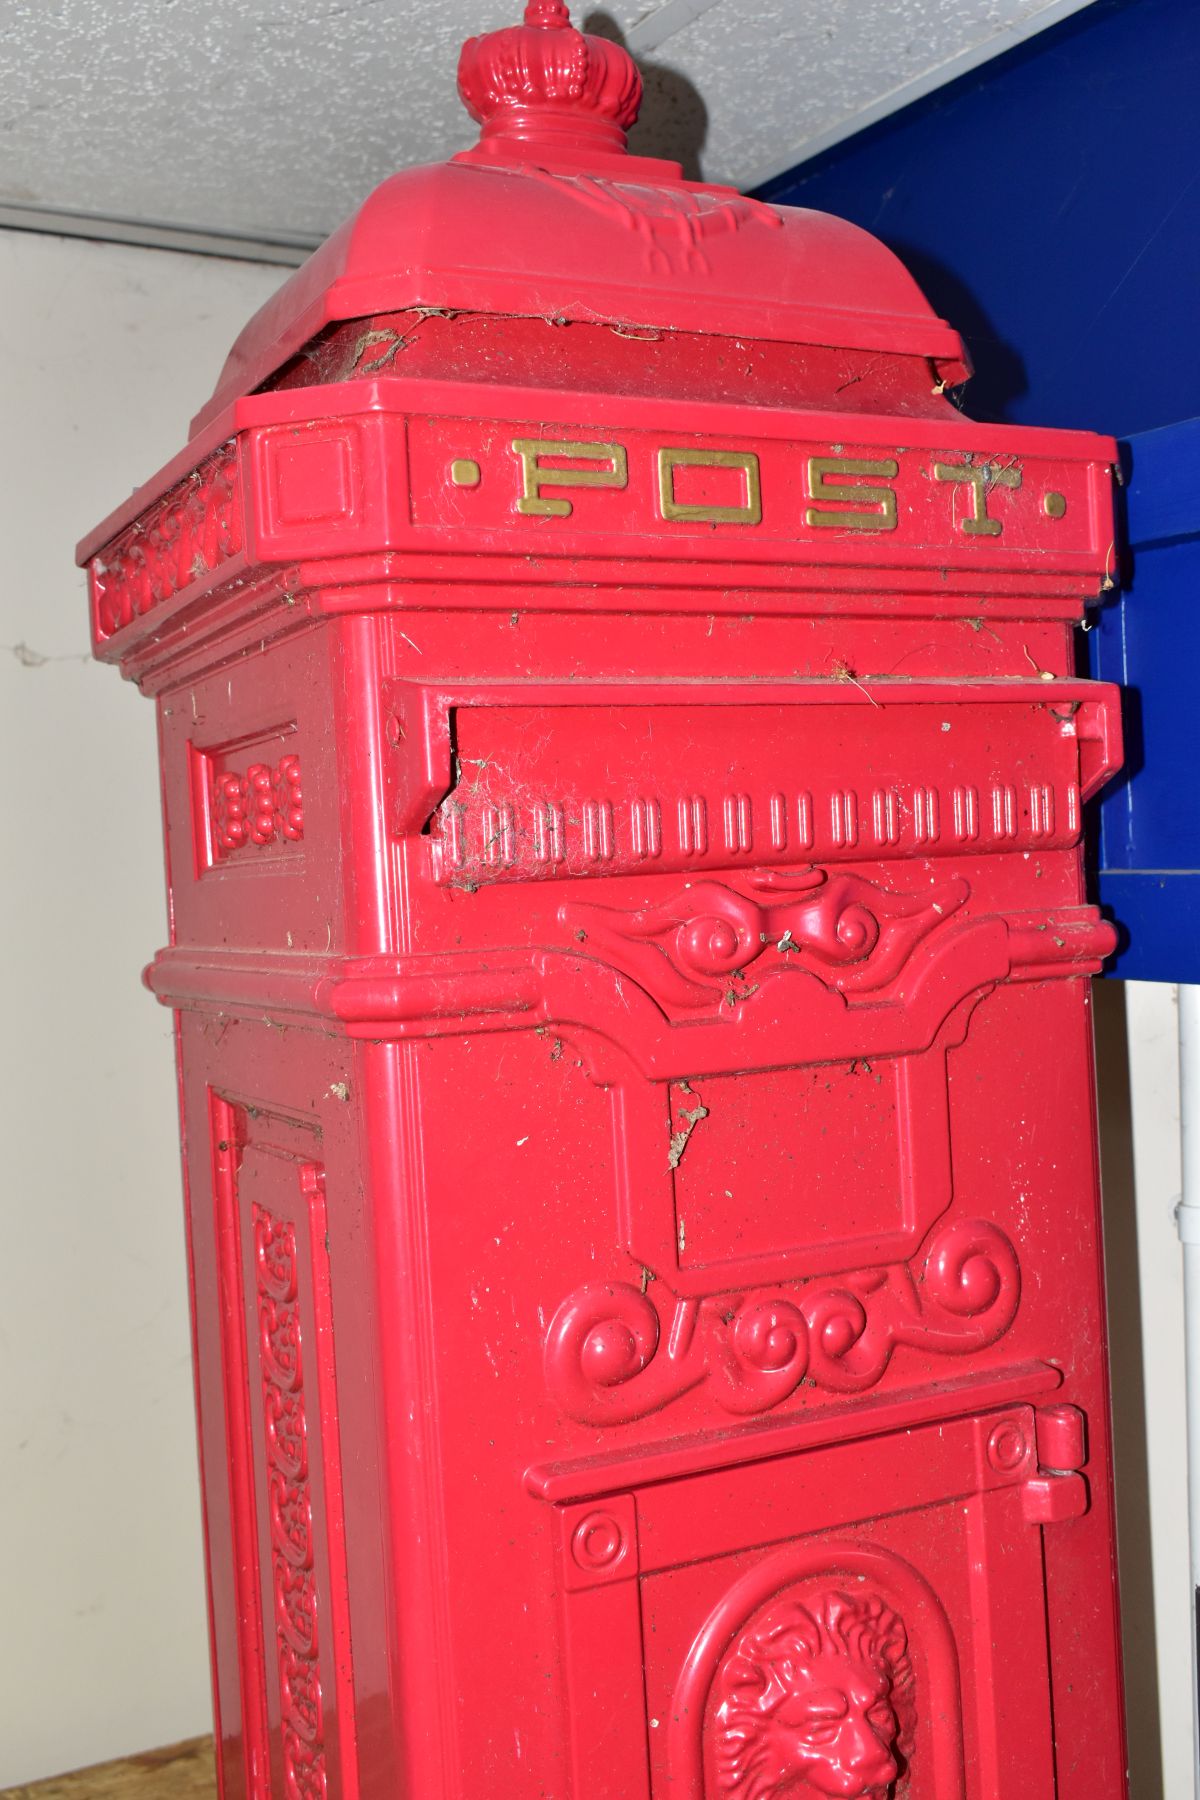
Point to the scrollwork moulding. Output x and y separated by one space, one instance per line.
691 951
195 528
612 1355
290 1503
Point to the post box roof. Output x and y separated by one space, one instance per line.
549 216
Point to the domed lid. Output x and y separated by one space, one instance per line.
549 216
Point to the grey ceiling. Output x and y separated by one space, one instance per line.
270 119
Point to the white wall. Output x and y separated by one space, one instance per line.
1138 1064
104 354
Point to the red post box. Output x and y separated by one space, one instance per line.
623 772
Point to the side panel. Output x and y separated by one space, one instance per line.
271 1437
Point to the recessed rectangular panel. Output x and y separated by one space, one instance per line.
254 803
791 1159
248 799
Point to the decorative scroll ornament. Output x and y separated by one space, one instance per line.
194 529
609 1359
816 1696
289 1506
689 950
674 224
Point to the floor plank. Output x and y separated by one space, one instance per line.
179 1772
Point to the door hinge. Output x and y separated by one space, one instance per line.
1058 1491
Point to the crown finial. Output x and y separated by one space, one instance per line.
551 15
545 85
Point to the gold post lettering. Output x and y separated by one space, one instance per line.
981 478
748 513
820 488
534 477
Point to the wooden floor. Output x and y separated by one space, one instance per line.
180 1772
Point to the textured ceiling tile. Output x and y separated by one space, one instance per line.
778 76
269 117
242 113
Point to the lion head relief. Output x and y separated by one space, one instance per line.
816 1696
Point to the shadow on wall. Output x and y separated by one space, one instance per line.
1128 1391
1000 376
673 121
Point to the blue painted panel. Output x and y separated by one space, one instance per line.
1148 640
1162 485
1159 921
1049 205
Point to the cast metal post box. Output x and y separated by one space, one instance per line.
623 769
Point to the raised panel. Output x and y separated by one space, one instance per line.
735 1181
858 1619
791 1159
281 1408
